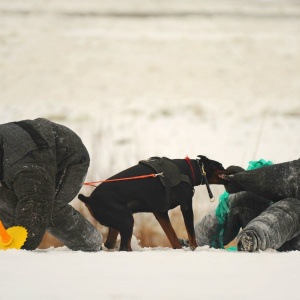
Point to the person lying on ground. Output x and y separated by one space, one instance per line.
265 203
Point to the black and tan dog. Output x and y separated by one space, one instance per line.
113 203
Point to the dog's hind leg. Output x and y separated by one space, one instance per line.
111 238
164 221
126 232
113 213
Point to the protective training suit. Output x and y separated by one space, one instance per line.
42 168
265 203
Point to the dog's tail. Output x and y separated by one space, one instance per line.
84 199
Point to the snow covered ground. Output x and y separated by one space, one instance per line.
149 274
141 78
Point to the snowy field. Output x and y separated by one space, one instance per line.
168 78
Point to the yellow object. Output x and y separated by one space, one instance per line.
13 237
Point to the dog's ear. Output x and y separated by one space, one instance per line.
204 160
202 157
212 167
209 163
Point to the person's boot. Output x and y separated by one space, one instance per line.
247 241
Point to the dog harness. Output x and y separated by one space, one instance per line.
171 175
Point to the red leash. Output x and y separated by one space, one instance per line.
91 183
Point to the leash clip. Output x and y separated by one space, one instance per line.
203 173
159 174
202 169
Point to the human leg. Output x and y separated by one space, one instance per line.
67 224
278 224
243 207
71 228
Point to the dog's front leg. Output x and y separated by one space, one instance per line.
164 221
188 217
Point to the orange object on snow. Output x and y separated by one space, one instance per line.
13 237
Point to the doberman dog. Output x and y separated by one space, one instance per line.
113 203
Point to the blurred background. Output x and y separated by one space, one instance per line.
148 78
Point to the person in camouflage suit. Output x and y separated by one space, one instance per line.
42 168
265 203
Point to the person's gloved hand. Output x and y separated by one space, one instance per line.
234 169
231 187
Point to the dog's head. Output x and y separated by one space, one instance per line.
213 170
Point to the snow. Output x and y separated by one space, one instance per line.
149 274
141 78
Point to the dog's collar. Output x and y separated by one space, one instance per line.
191 167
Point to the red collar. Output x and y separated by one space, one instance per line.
191 167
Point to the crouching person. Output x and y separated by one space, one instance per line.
42 168
265 204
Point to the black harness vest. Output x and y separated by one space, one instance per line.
171 175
